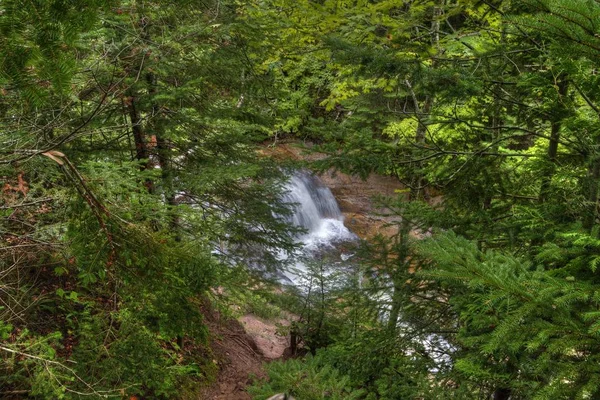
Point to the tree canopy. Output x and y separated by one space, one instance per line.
134 184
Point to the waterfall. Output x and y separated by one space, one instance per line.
316 211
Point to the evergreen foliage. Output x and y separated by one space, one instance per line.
132 187
489 111
308 380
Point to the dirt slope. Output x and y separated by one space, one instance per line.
240 349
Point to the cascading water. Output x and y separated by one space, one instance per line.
317 212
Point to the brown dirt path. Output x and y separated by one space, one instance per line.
240 349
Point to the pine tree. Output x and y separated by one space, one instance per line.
520 327
125 171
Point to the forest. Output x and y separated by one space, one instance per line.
145 193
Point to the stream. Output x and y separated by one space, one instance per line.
317 212
326 240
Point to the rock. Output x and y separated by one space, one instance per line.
281 396
265 334
355 196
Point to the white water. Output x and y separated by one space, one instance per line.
317 212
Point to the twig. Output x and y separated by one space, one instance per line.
31 203
93 392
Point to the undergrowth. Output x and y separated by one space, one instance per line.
306 379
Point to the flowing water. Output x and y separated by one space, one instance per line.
325 240
317 212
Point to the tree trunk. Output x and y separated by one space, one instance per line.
399 275
417 184
554 140
593 177
141 147
395 310
501 394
